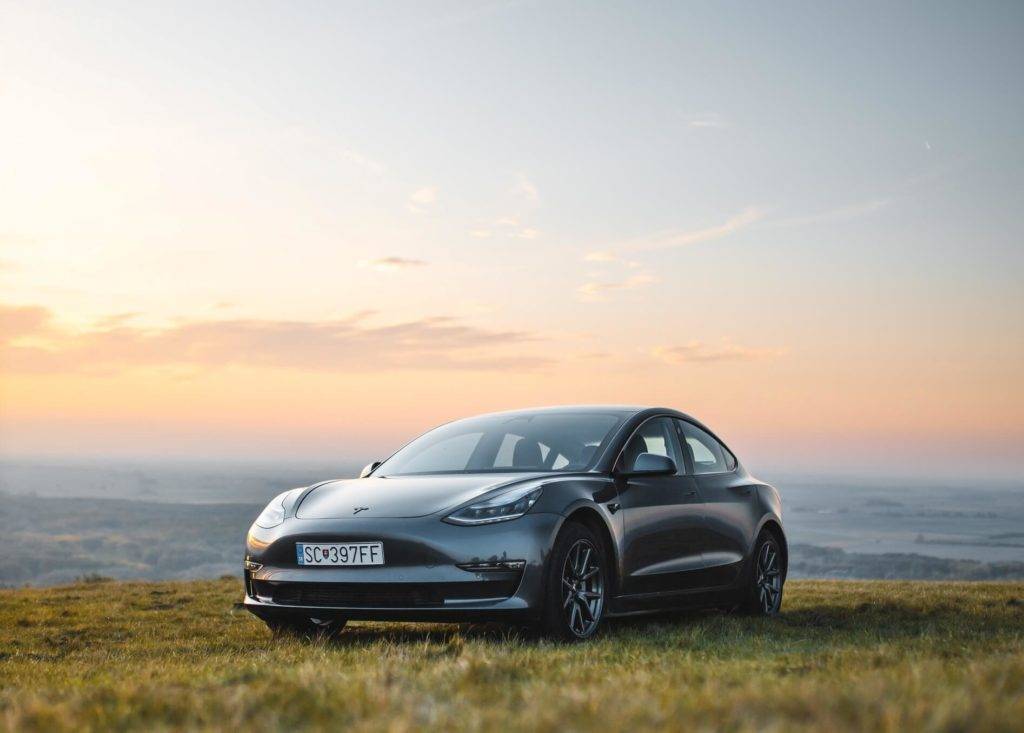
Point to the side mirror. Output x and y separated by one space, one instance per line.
651 464
368 469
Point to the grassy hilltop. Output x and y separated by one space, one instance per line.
843 656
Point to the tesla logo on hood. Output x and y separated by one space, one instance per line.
357 509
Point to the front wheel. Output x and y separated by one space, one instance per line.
307 628
764 590
576 585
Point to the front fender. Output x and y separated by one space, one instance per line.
587 499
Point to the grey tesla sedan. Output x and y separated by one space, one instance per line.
557 518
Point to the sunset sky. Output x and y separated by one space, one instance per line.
315 229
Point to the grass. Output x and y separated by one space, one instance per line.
843 656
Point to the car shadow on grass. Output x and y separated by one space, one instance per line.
360 634
864 623
368 633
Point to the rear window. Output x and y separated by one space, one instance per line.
708 455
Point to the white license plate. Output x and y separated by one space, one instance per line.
340 553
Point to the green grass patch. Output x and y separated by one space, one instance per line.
843 656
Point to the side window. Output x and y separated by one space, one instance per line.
709 456
654 436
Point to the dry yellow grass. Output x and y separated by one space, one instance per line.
844 656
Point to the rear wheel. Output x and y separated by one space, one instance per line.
307 627
576 585
764 591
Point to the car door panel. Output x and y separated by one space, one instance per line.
662 516
663 521
730 504
730 511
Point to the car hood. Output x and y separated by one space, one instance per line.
400 496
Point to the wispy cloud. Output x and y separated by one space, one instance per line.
746 218
668 240
23 320
388 264
840 213
699 352
610 258
367 164
116 319
525 189
422 198
706 120
597 290
505 226
30 341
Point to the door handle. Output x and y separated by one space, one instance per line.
614 507
690 493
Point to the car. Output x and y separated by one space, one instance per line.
557 518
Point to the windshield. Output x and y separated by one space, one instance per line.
543 441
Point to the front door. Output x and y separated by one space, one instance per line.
662 517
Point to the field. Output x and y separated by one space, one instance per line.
844 656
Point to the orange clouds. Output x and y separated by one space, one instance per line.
355 386
695 351
393 263
30 342
22 320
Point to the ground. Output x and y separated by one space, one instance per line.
843 656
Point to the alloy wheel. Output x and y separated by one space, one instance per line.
769 578
582 588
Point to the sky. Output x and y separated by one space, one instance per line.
315 229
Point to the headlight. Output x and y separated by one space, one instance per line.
273 515
508 505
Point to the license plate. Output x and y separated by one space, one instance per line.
340 553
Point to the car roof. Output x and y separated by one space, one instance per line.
621 410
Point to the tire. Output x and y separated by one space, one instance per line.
576 585
766 577
312 629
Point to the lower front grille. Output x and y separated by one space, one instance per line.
381 595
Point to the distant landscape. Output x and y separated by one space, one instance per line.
64 520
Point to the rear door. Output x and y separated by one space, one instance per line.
729 503
662 516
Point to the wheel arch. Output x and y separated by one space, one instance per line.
591 517
773 525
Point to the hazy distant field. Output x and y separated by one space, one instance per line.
61 521
844 656
186 482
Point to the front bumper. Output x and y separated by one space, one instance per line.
420 580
